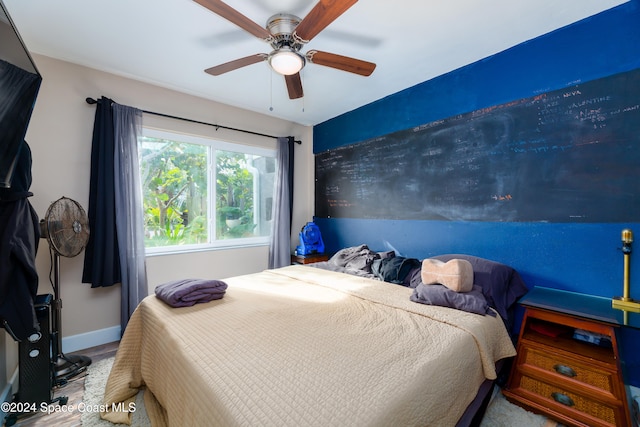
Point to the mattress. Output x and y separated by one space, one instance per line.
300 346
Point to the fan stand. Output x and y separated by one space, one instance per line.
64 367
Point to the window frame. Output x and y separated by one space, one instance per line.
212 144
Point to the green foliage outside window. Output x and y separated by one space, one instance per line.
175 177
234 196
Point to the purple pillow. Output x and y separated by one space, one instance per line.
472 301
501 285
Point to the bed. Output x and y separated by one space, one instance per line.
304 346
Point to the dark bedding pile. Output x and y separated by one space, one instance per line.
355 260
495 285
386 266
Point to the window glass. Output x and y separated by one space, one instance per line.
184 211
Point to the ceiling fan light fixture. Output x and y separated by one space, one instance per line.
286 62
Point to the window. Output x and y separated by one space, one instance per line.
200 193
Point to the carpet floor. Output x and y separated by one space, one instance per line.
502 413
94 392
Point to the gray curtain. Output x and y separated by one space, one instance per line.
280 246
127 124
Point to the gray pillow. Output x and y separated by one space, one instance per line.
501 285
472 301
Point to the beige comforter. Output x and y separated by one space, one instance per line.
300 346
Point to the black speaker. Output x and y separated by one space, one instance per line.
35 371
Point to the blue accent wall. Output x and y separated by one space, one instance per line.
599 46
580 257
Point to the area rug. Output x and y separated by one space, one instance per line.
94 384
500 413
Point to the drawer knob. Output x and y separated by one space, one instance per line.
562 398
565 370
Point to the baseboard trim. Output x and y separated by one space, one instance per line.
69 345
7 394
5 397
90 339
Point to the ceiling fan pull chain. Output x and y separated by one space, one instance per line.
270 90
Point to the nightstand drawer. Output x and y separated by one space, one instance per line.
567 402
567 367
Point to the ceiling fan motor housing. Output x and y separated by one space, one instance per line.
281 27
285 58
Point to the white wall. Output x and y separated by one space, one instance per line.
60 139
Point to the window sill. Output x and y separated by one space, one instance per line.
221 246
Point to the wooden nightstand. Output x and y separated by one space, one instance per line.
309 259
570 380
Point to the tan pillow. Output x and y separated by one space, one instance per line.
455 274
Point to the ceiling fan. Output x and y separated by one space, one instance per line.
287 34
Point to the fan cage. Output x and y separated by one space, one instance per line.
66 227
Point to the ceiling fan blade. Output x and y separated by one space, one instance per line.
322 14
344 63
294 85
235 64
230 14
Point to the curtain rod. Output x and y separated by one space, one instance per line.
93 101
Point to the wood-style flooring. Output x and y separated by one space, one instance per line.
73 390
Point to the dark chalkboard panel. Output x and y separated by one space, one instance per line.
571 155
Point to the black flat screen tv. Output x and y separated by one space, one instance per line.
19 85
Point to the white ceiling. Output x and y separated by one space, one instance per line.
170 42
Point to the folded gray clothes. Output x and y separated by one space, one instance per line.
188 292
355 258
472 301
